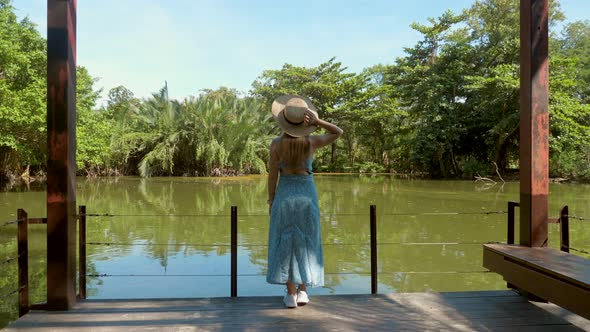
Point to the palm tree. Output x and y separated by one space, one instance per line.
215 133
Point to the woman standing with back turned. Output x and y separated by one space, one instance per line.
295 256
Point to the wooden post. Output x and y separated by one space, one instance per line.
82 253
510 236
511 214
564 225
61 154
373 222
23 262
234 252
534 122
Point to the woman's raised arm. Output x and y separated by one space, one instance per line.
317 141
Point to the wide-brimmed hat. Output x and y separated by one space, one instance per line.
289 111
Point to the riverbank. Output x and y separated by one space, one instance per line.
37 181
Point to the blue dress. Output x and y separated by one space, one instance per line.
294 240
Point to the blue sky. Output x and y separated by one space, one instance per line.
197 44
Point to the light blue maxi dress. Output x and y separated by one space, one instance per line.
294 239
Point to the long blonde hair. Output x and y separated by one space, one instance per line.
294 151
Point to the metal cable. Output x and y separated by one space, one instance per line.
102 275
10 260
579 250
325 214
265 245
2 297
437 272
444 213
429 243
156 244
153 215
266 214
576 217
11 222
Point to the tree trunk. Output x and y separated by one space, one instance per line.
439 159
333 154
501 150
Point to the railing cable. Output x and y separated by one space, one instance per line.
11 222
325 214
100 275
16 291
9 260
430 243
579 250
575 217
103 275
437 272
266 245
156 244
444 213
154 215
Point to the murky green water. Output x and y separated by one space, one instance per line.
172 235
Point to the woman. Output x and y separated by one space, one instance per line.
295 255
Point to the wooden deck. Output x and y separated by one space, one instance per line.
463 311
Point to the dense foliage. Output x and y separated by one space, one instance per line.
448 108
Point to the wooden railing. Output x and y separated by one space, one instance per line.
23 221
562 220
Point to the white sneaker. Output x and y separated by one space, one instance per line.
302 298
290 300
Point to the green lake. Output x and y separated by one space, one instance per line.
169 237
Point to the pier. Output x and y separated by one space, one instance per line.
460 311
531 282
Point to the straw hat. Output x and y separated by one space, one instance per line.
289 111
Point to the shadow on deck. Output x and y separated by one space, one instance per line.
461 311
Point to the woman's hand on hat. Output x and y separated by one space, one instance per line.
310 118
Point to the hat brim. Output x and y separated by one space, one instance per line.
278 106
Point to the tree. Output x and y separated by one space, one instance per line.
375 122
232 133
22 93
122 104
460 87
574 43
93 127
430 87
215 133
569 140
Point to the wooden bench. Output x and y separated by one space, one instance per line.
550 274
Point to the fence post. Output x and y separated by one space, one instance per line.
510 236
82 253
234 251
373 214
564 222
23 262
511 208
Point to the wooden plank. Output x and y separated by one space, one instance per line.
37 220
574 269
473 311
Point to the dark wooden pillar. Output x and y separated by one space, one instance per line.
61 154
534 122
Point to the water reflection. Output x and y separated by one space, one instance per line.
172 234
